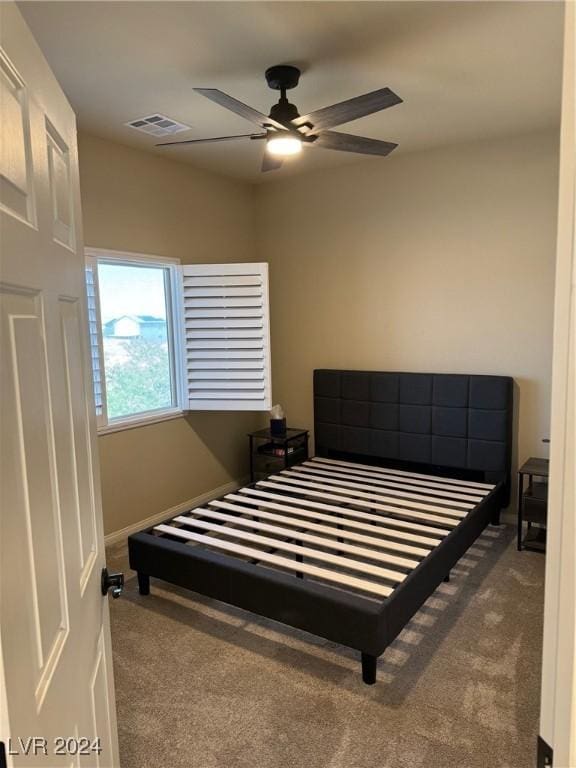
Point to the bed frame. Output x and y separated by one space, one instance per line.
409 470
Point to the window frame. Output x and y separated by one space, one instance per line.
94 256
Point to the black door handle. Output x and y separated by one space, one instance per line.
113 581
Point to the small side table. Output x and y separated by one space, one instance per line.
271 453
533 504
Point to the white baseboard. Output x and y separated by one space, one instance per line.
115 536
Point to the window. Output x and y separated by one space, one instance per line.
166 338
132 340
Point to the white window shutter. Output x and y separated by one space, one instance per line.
95 348
227 337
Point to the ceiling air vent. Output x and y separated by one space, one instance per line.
157 125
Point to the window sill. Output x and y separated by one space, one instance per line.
141 421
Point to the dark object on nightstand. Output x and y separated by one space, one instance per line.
271 453
533 504
278 427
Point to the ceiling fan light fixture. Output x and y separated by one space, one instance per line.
284 146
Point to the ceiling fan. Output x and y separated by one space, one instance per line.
286 131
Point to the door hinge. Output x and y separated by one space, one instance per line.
545 754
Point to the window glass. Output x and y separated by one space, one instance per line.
134 307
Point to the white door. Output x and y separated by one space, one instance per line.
558 698
55 639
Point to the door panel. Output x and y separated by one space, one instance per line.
78 481
31 486
15 150
60 189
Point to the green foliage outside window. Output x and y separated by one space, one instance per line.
137 376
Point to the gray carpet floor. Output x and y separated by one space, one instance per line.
203 685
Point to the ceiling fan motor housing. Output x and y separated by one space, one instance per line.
282 77
283 112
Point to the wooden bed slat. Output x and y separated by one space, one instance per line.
426 533
321 541
408 549
385 475
327 485
403 512
341 579
296 549
453 508
487 487
414 486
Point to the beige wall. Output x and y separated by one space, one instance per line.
435 261
134 201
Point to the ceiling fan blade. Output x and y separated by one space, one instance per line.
221 98
270 162
216 138
345 142
352 109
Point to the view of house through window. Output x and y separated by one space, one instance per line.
134 306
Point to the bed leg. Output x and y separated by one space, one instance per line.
495 519
299 574
369 668
143 583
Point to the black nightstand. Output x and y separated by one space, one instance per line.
533 504
271 453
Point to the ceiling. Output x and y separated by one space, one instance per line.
466 70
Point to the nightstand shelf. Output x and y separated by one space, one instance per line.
272 453
533 504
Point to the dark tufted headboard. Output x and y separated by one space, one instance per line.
449 422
